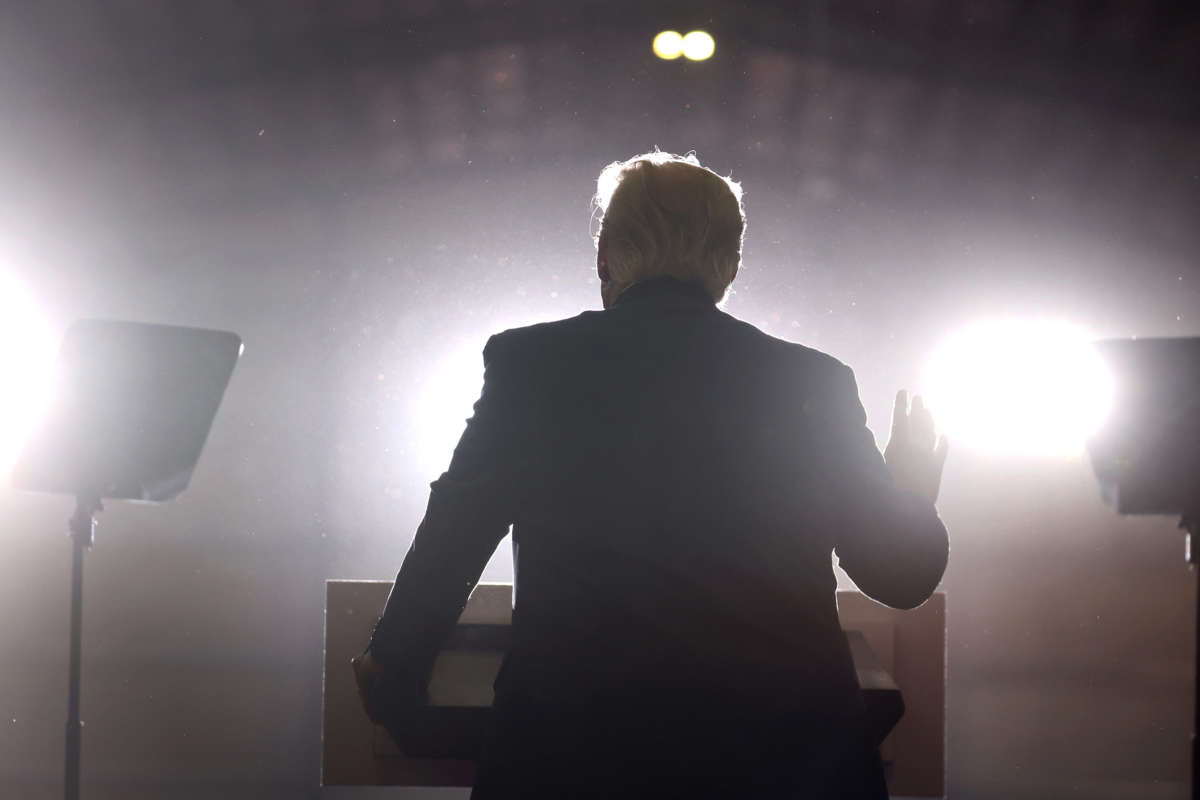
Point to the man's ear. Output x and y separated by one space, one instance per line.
602 258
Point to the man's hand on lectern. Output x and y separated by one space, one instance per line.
367 672
389 698
911 455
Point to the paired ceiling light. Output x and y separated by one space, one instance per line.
695 46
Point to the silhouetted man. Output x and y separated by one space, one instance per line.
676 480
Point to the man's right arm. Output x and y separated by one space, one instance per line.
889 540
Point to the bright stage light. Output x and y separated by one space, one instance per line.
445 403
698 46
1018 388
26 365
668 45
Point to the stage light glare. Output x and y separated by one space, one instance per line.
26 366
1012 387
668 45
445 402
698 45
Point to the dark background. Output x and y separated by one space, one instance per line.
365 190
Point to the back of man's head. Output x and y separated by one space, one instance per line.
665 214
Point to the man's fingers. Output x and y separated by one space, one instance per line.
920 425
942 449
900 415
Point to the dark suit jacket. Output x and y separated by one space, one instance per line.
676 480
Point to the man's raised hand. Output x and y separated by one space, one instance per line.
911 455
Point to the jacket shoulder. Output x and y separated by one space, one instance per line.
739 335
524 338
796 355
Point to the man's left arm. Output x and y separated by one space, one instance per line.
470 509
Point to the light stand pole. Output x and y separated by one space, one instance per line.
132 407
83 528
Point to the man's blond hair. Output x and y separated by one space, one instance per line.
665 214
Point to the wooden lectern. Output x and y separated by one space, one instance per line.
894 652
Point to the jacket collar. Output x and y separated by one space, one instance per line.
665 288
